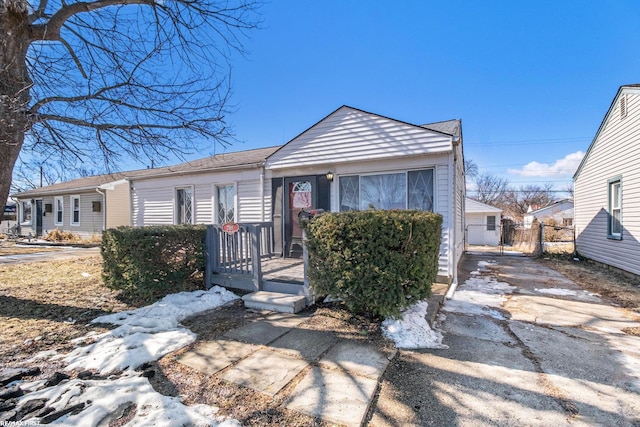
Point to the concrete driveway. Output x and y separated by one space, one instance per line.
527 347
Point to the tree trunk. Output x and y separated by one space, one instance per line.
14 88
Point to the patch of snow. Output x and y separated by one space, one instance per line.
478 294
106 397
580 295
147 333
144 335
331 298
555 291
412 330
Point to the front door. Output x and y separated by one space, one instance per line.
39 213
301 195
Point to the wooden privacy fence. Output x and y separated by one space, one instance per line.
234 258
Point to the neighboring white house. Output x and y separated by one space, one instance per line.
560 212
482 223
607 187
78 206
353 159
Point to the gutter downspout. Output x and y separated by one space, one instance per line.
262 210
104 208
452 254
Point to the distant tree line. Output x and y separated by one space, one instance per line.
514 201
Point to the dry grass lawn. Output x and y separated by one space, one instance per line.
43 305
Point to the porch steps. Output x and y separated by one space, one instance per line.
275 301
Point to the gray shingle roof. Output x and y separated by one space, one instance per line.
236 159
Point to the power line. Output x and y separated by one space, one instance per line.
532 141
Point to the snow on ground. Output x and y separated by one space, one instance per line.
108 398
480 294
412 330
580 295
144 335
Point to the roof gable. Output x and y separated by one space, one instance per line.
633 89
349 134
558 206
474 206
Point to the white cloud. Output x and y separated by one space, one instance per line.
564 166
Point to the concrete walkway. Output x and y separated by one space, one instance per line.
62 254
337 378
527 347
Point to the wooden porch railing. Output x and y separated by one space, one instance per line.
233 259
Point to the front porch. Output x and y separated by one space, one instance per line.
243 257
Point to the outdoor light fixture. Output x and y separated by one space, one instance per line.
329 176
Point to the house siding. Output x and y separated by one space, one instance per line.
91 223
350 141
614 153
154 199
349 135
118 205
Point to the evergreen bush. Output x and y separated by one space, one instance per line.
378 262
147 263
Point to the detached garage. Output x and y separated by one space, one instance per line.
482 223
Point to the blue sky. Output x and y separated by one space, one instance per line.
531 81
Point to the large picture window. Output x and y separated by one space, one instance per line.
58 211
615 209
75 210
226 204
184 205
25 212
404 190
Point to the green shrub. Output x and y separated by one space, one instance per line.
378 262
148 263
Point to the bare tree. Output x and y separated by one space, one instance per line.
470 169
491 189
529 195
28 174
95 81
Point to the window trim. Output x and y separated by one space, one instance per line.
610 184
493 226
392 172
193 204
55 210
72 210
22 210
216 213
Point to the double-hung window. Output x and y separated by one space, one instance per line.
75 210
614 226
184 205
226 204
58 213
402 190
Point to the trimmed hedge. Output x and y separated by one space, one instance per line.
378 262
148 263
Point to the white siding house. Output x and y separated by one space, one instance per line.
353 159
482 223
78 206
607 187
223 188
560 213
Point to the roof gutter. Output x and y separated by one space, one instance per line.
198 171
